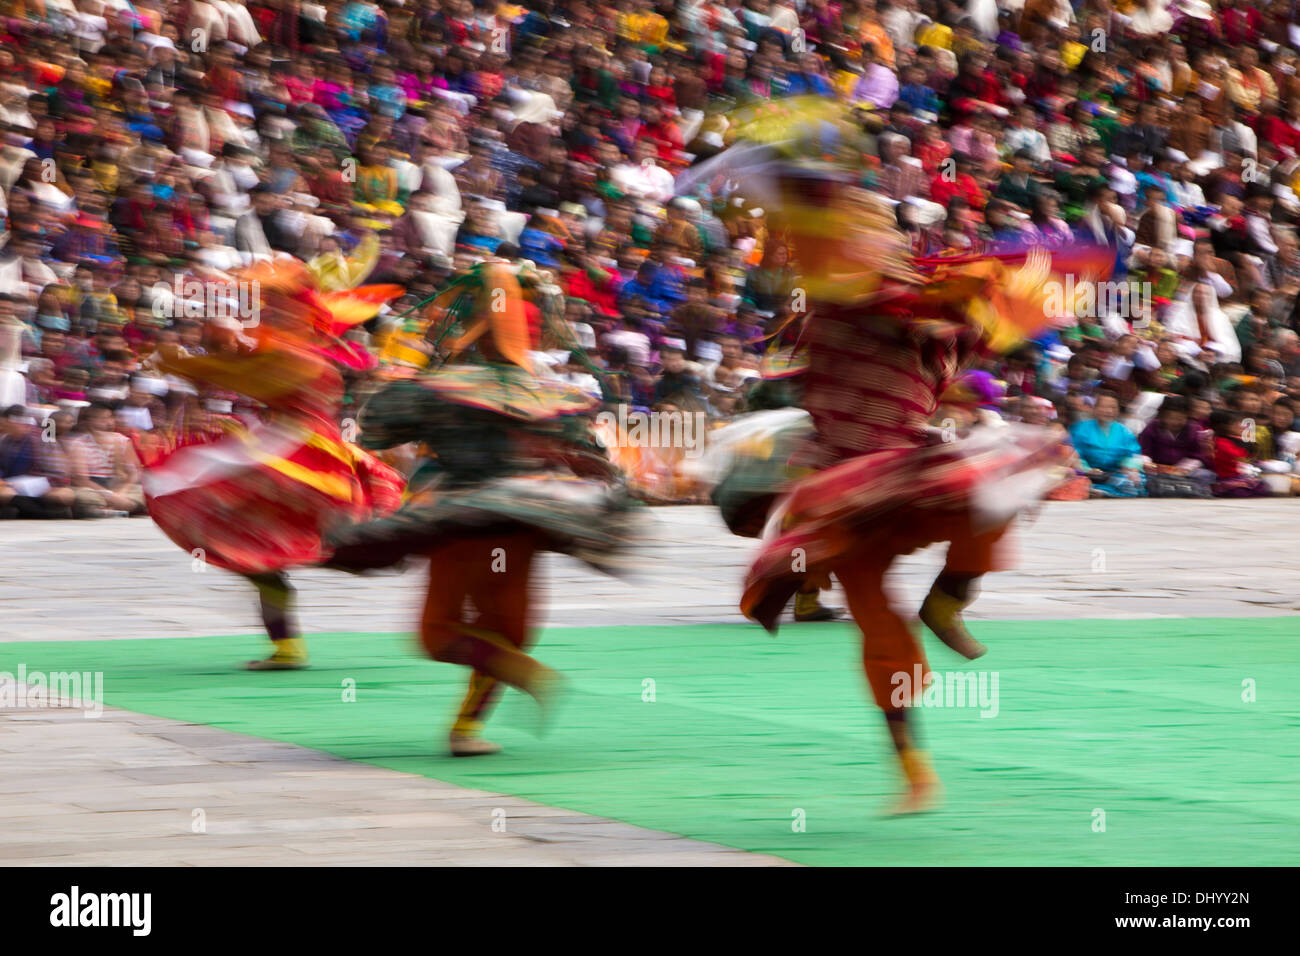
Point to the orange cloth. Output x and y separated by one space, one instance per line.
493 573
889 647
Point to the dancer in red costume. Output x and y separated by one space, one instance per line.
887 334
261 499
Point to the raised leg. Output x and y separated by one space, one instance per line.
896 671
970 557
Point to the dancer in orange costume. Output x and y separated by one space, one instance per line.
260 500
511 472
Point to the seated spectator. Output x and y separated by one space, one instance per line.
626 336
954 180
1235 475
1045 225
17 458
378 191
58 464
1158 226
1177 449
1108 452
678 383
107 473
878 88
768 288
932 150
1018 185
1277 449
901 176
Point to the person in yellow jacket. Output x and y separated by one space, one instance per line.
871 33
935 35
643 25
336 272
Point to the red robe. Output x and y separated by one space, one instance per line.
262 500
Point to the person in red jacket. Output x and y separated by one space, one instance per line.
955 179
931 149
1282 131
1241 23
975 89
1232 472
663 131
594 284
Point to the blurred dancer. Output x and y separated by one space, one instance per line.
886 335
748 463
259 500
511 472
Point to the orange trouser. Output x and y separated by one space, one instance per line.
889 647
493 573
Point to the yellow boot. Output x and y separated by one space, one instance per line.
941 613
808 607
290 654
467 740
923 790
466 737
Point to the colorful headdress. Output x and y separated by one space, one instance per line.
489 306
288 287
485 306
804 159
493 307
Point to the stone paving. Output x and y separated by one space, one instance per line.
123 790
132 790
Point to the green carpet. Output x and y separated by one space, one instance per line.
1143 720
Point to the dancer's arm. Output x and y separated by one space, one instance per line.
267 373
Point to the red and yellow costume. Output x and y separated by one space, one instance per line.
260 499
885 483
886 335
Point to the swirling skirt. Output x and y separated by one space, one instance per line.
895 502
595 521
263 501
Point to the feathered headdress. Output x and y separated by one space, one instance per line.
288 287
486 307
489 307
805 159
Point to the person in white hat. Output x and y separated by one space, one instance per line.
1151 18
534 127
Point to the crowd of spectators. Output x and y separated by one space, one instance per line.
155 142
